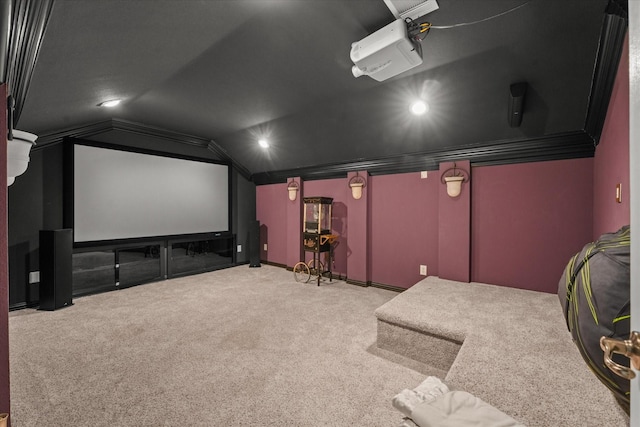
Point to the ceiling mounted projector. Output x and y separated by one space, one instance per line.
412 9
385 53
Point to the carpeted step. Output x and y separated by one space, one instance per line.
512 340
432 350
410 325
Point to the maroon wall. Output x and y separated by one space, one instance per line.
404 227
528 220
358 250
518 226
271 203
5 400
454 222
611 164
294 225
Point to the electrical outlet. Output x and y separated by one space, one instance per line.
423 270
34 277
423 174
265 247
239 249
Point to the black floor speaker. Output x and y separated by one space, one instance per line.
254 244
56 285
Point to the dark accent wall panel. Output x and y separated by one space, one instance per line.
243 212
35 203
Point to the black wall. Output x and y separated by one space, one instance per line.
243 202
36 203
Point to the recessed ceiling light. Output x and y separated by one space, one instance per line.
110 103
419 107
263 143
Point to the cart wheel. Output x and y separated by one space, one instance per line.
301 272
313 270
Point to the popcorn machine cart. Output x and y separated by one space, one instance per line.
317 239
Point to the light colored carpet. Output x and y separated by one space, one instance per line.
236 347
516 352
251 347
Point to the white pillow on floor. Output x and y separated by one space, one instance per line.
460 409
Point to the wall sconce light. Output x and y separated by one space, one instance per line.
454 180
18 149
292 188
357 183
19 145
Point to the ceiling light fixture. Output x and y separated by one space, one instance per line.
263 143
419 107
110 103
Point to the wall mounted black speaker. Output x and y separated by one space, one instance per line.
254 244
517 91
56 285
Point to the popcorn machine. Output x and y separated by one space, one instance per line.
316 238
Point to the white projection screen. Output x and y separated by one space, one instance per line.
122 195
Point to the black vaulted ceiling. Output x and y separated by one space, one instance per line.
219 75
